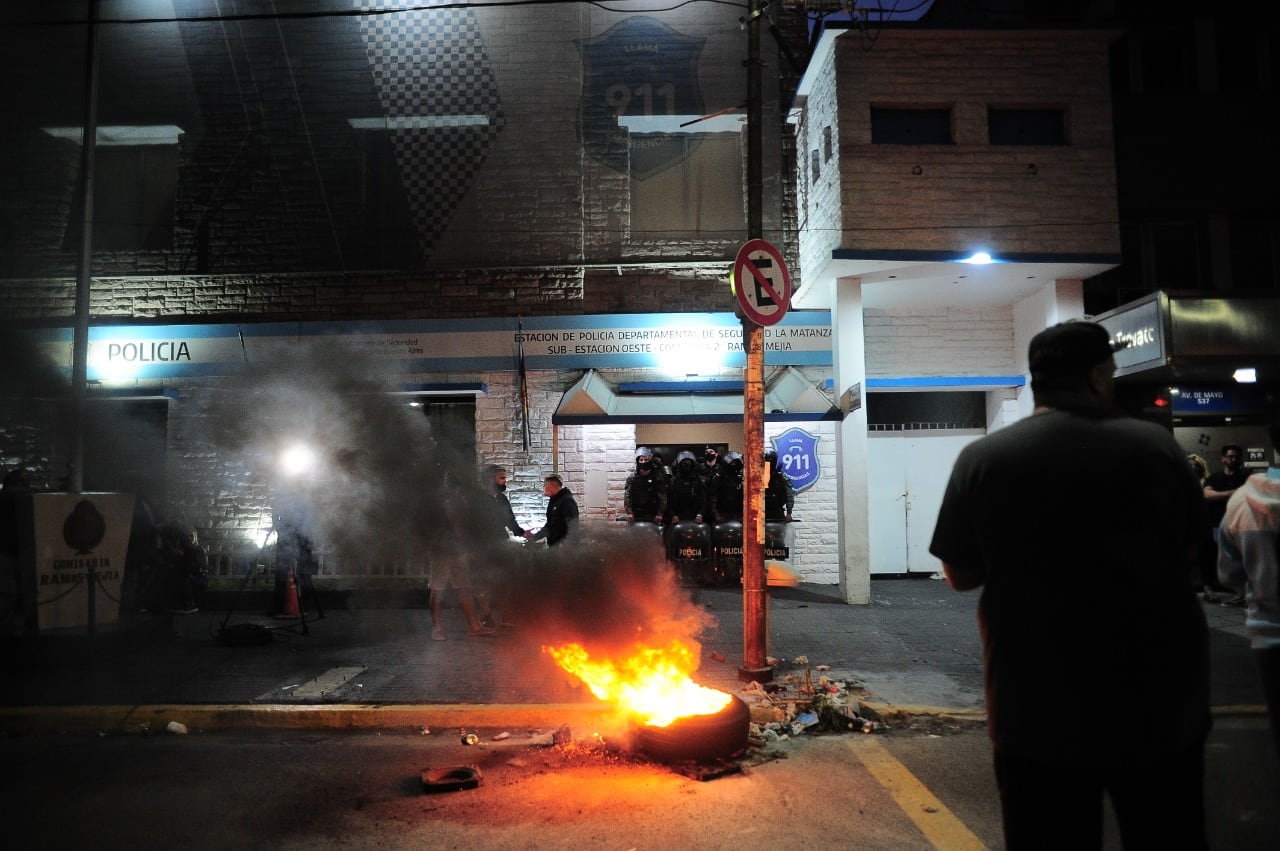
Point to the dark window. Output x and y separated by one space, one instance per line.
910 126
1026 126
133 199
926 410
816 165
384 235
826 144
1237 55
1254 251
1168 61
1175 256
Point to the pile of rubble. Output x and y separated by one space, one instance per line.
797 703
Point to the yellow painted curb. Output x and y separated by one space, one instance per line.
155 718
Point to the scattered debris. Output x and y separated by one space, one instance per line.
176 727
499 737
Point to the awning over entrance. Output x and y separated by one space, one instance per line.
789 396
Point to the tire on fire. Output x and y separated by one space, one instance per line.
698 738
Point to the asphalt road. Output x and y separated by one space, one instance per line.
927 786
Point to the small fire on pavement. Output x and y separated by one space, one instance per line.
650 683
652 686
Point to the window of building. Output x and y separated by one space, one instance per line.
1176 256
702 195
1237 56
926 410
1255 255
1026 126
890 126
826 144
133 199
816 165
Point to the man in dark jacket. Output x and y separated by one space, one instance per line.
562 512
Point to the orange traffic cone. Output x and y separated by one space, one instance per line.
291 608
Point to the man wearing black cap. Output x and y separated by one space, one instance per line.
1026 518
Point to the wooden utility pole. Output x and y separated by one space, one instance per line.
754 588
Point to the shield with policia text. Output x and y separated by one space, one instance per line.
798 457
634 75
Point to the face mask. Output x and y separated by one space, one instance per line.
502 486
645 467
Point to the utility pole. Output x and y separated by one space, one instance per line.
754 589
80 341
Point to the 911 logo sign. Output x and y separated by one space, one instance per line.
798 457
639 68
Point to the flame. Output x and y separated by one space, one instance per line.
652 683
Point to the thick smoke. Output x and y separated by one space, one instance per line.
393 487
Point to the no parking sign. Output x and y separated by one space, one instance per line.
761 282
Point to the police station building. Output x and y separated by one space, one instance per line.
526 218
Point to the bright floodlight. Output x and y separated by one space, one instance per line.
980 258
1245 375
296 460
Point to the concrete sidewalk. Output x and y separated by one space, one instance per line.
914 650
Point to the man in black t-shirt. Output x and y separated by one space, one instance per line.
1023 518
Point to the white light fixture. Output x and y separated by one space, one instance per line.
123 134
978 258
1245 375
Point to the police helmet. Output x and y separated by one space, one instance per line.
686 455
733 459
642 452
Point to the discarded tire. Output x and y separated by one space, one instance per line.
698 738
451 779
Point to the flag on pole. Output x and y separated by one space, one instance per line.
524 384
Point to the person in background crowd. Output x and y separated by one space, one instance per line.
779 495
1023 518
16 486
644 497
495 479
661 472
1205 577
726 490
1249 561
709 468
501 608
184 568
1218 488
686 493
562 513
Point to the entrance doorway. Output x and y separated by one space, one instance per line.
907 474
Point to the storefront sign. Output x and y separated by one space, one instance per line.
1140 328
686 342
1207 401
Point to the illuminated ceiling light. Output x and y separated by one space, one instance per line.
296 460
1245 375
978 258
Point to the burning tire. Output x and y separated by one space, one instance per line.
698 738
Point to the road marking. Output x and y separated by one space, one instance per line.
939 825
326 682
